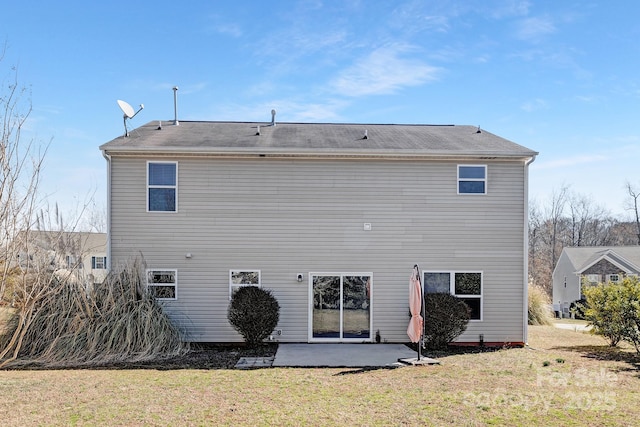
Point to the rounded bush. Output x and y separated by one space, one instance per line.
446 317
254 313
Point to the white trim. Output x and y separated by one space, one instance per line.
175 282
108 159
611 257
174 187
525 252
341 338
485 180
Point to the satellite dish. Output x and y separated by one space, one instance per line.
126 108
128 113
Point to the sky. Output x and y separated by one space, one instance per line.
559 77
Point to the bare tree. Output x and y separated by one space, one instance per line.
20 166
547 231
590 222
634 194
556 217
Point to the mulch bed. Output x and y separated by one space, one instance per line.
200 356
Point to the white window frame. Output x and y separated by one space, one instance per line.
342 275
611 277
485 180
94 262
593 278
174 187
235 285
452 287
174 284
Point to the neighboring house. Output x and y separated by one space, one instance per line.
590 266
330 217
82 254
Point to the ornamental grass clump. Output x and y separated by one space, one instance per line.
254 312
539 307
63 323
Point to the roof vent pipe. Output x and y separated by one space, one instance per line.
273 117
175 106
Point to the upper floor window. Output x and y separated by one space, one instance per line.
472 179
162 178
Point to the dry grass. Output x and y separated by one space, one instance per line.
59 323
566 378
539 303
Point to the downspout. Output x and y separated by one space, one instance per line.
525 323
108 159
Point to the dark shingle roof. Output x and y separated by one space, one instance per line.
317 139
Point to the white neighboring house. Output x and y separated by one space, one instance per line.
590 265
81 254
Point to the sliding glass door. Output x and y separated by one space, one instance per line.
340 307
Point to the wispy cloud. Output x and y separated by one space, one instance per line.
384 71
534 28
229 29
508 8
288 110
534 105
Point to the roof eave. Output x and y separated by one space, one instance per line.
315 153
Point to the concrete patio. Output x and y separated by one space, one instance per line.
342 355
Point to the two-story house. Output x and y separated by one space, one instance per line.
330 217
582 266
82 255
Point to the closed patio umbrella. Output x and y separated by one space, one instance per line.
415 329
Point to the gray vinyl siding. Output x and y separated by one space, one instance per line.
290 216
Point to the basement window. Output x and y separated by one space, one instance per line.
163 284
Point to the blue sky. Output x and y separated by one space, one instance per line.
560 77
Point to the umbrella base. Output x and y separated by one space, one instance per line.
414 361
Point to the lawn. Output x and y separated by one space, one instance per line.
565 378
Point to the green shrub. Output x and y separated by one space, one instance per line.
446 317
539 306
254 313
614 311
